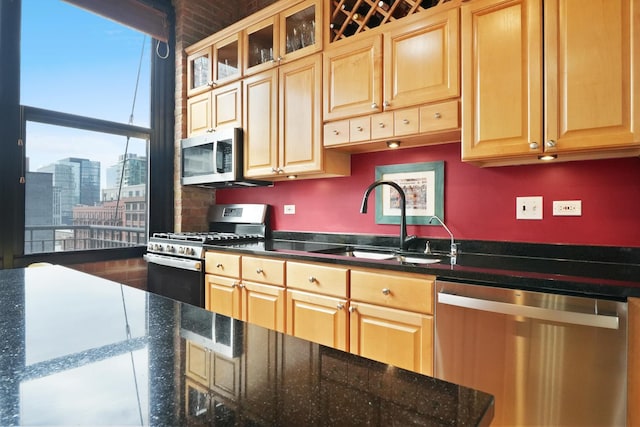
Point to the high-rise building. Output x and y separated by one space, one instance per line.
135 171
39 211
78 183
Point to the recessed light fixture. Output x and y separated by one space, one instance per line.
292 176
393 144
548 157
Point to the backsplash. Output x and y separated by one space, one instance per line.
479 202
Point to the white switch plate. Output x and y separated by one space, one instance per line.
289 209
567 208
529 207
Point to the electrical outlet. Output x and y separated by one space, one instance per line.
567 208
289 209
529 207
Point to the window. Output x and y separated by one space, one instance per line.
86 118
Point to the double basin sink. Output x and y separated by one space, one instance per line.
380 254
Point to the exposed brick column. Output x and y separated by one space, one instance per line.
195 20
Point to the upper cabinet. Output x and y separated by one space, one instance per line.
291 34
214 65
413 62
567 94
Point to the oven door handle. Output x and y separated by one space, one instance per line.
183 264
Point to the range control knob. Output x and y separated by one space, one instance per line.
171 248
182 250
159 248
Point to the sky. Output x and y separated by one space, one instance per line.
77 62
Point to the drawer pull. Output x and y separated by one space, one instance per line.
386 291
405 121
259 271
219 265
381 124
359 128
312 279
437 116
335 132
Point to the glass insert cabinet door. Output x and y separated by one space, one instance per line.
200 72
227 60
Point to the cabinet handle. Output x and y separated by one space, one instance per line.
312 279
259 271
374 106
533 145
352 309
237 285
335 132
386 104
551 143
279 59
359 128
381 125
386 291
219 265
405 121
211 83
211 130
437 115
340 306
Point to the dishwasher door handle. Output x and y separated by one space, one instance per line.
560 316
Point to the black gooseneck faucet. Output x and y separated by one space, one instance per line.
404 239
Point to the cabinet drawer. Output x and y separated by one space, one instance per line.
318 278
336 133
222 264
263 270
404 291
438 117
382 125
406 122
360 129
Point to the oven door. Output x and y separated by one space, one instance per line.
177 278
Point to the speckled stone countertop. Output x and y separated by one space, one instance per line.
597 272
80 350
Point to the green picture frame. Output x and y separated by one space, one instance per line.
423 184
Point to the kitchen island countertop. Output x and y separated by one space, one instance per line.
82 350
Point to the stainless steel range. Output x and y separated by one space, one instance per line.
176 260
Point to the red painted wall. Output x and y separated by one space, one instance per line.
479 202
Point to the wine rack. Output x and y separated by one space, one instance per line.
349 17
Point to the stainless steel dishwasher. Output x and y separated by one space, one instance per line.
548 359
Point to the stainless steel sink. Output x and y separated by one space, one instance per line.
373 254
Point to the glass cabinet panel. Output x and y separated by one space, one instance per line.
199 73
300 28
260 43
227 59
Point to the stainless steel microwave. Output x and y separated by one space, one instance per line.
215 159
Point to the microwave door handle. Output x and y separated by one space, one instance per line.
561 316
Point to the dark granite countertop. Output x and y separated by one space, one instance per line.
80 350
611 273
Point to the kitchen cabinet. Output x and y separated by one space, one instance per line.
391 318
579 106
633 360
284 37
222 292
418 65
219 107
213 63
213 370
283 133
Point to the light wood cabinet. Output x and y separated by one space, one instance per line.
213 370
284 139
391 318
215 64
284 37
219 107
318 318
418 65
590 75
318 278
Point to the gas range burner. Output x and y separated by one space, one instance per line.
208 237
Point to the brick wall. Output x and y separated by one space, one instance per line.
195 20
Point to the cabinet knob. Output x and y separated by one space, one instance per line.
336 132
534 145
381 125
359 128
386 291
374 106
551 143
340 306
211 130
219 265
312 279
211 83
405 121
352 309
259 271
437 115
386 104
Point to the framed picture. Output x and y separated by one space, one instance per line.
423 185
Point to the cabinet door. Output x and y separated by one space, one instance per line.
400 338
223 295
227 64
300 30
317 318
199 71
261 40
300 138
590 74
352 76
198 363
199 114
501 78
261 124
226 105
263 305
421 61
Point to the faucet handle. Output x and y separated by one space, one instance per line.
454 249
427 248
